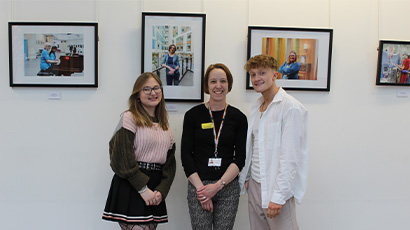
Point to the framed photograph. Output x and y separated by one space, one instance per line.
303 55
393 63
53 54
173 47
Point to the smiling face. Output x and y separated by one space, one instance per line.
217 85
263 79
152 99
292 57
172 49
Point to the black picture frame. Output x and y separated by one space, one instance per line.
391 59
313 45
187 32
76 51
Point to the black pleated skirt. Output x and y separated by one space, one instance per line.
125 204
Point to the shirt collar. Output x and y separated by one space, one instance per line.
279 95
277 98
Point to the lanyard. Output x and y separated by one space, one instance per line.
216 137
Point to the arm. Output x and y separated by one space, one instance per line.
123 161
294 68
208 191
398 66
177 62
292 145
187 144
188 163
241 129
283 68
402 67
168 173
206 202
48 59
165 61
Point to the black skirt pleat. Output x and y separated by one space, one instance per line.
125 204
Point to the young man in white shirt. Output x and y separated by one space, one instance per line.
275 172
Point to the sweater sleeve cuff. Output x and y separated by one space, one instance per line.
163 191
138 181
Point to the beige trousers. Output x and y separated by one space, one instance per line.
257 215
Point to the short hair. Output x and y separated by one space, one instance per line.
218 66
169 47
262 60
54 47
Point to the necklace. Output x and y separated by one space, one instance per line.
261 109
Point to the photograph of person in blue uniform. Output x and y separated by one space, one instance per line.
46 61
171 63
290 68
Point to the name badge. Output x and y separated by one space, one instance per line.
207 125
214 162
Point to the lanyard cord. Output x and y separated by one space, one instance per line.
216 137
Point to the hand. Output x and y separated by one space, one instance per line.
206 192
246 184
273 210
171 71
149 197
158 197
208 205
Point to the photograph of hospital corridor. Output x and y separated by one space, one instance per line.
164 39
68 48
306 55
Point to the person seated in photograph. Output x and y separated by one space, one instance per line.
171 63
53 56
46 61
404 68
290 69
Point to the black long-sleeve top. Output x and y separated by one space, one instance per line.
197 144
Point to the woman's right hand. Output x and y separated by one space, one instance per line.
149 197
208 205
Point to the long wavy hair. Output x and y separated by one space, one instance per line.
296 57
141 117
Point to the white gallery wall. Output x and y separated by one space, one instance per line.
54 167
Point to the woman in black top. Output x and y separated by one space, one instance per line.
213 153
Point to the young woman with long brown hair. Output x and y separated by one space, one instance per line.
142 154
